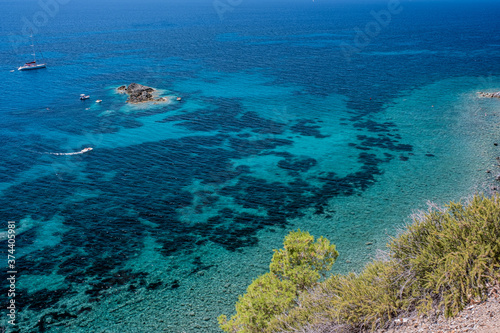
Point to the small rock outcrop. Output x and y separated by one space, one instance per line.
137 93
489 95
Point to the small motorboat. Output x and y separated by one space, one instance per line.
178 98
99 101
84 97
84 150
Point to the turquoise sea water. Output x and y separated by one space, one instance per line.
179 205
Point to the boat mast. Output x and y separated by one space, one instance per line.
33 46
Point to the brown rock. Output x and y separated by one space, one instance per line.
138 93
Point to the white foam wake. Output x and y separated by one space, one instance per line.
83 151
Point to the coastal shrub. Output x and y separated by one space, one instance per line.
293 269
445 259
265 297
364 300
355 301
449 256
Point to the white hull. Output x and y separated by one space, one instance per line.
26 67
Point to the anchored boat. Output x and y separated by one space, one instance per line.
32 64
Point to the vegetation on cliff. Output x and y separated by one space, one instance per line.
293 270
445 259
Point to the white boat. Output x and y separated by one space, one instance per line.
32 64
84 97
84 150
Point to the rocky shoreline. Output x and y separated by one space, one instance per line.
137 93
489 95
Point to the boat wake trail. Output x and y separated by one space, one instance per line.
83 151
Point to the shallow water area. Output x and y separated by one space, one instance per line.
198 285
178 206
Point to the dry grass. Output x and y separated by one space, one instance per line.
445 259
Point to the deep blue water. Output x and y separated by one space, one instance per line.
285 122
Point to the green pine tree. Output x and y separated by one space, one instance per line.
293 269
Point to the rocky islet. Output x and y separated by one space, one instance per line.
138 93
